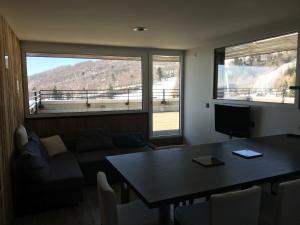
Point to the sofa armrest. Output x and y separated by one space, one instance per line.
151 145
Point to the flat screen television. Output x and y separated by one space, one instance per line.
233 120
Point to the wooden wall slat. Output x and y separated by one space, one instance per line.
69 126
11 112
2 120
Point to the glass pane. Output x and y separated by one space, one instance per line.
78 84
166 95
259 71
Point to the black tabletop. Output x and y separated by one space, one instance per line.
168 176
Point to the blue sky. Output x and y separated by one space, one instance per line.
40 64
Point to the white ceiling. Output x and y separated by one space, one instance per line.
172 23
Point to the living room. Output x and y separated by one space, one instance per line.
96 95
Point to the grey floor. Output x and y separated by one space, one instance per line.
86 213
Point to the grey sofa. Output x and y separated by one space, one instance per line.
91 146
42 182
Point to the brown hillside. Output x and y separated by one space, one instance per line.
98 74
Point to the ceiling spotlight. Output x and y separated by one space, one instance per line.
140 28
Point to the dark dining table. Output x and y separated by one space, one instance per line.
169 176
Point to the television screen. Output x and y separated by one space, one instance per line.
233 120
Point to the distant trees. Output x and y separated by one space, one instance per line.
291 71
238 61
69 95
113 77
159 73
111 91
56 94
274 59
288 78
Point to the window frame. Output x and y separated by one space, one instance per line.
295 105
181 101
93 56
49 48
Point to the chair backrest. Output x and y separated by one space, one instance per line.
288 203
236 208
107 200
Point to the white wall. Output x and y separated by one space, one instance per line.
199 120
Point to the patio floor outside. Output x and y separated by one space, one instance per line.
166 123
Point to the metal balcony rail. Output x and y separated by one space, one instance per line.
38 98
249 93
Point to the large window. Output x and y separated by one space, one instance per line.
260 71
63 84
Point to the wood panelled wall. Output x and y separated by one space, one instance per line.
11 111
70 126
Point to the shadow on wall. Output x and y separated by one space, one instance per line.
256 113
272 120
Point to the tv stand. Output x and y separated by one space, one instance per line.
293 135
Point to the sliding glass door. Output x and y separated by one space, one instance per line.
165 107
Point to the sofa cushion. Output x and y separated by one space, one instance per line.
34 164
93 156
21 137
65 174
54 145
92 162
96 156
93 139
32 136
129 140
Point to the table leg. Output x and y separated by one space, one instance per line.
125 198
165 215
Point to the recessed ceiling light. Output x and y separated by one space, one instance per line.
140 28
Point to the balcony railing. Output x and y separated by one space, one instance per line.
38 99
250 94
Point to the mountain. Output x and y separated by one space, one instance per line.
270 71
99 74
260 77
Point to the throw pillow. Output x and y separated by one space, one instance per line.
32 136
21 137
34 164
54 145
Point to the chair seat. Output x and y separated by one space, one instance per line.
197 214
136 213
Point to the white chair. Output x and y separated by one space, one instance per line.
232 208
282 208
134 213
